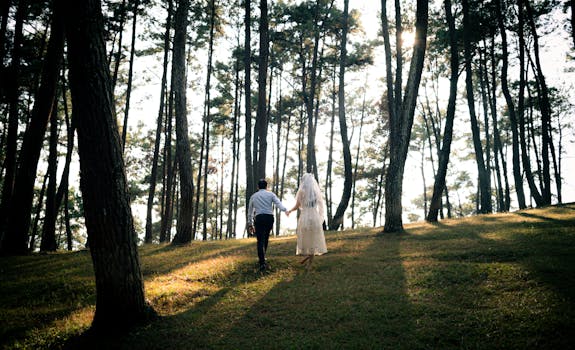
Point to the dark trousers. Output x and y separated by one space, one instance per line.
263 225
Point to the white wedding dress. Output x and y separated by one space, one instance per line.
310 237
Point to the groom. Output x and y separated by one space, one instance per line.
261 218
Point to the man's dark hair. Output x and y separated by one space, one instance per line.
262 184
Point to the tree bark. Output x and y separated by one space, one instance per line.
261 128
169 174
337 220
501 170
120 299
517 174
34 231
484 180
445 151
521 113
207 122
328 176
401 124
135 4
250 182
48 243
183 153
356 165
118 54
148 238
572 19
12 244
230 231
545 107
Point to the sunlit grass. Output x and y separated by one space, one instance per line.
484 282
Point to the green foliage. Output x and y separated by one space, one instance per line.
486 282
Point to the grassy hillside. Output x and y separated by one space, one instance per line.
504 281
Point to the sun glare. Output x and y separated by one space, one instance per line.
408 38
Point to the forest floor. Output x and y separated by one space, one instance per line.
501 281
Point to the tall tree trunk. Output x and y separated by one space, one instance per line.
4 14
118 54
521 115
21 206
8 243
545 107
484 180
356 165
207 119
48 243
516 153
310 98
70 130
230 232
328 176
500 170
278 152
261 128
135 4
572 19
250 181
169 174
484 100
401 124
69 238
120 299
154 173
337 220
183 153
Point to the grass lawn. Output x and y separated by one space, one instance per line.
501 281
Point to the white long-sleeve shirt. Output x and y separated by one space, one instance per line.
261 203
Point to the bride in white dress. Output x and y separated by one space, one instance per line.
310 237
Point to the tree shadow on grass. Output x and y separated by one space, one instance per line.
353 297
513 282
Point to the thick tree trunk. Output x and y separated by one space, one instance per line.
337 220
183 153
120 299
261 128
401 124
250 181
